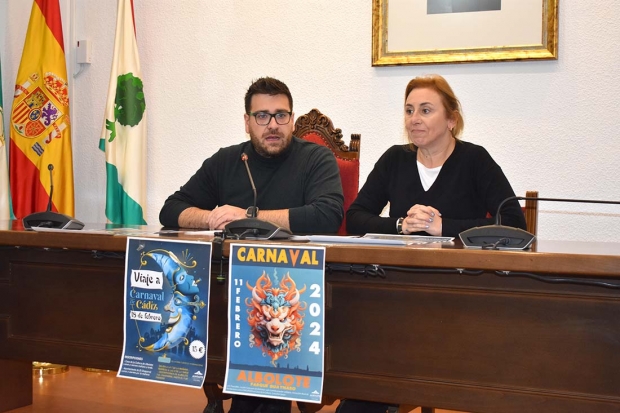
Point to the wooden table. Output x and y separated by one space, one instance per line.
423 334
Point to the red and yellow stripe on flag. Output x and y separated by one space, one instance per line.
40 127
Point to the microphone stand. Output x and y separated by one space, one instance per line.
244 158
252 227
49 218
499 236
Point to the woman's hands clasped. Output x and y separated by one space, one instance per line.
422 218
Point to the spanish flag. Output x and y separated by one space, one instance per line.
39 123
123 136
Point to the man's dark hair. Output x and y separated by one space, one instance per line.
267 86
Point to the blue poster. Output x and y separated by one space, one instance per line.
276 318
166 311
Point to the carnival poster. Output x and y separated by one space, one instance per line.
276 303
166 311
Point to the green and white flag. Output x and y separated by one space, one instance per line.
124 131
5 193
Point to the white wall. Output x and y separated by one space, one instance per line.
551 125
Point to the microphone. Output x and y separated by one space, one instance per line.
499 236
252 227
244 158
49 218
50 168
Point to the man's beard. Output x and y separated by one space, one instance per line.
262 147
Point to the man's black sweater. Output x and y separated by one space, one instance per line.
304 179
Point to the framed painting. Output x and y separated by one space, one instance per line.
408 32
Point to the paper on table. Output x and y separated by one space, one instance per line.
336 239
75 231
410 239
200 232
99 231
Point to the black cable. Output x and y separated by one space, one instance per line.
435 270
379 271
367 270
241 236
495 245
94 253
557 280
106 254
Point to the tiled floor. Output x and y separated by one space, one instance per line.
78 391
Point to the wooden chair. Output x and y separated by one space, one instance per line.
531 212
318 128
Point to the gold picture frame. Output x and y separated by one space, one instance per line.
547 48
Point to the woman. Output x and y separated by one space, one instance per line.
438 184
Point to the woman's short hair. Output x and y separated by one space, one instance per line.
450 102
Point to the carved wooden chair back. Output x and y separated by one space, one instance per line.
318 128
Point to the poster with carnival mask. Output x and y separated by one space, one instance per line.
276 302
166 311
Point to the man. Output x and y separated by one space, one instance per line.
297 182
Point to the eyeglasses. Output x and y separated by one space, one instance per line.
264 118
